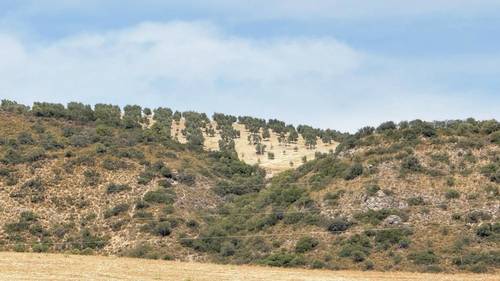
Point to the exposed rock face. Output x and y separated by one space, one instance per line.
392 220
380 201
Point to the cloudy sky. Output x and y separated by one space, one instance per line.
340 64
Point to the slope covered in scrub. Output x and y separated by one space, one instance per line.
152 183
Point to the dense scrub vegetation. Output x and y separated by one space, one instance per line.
408 196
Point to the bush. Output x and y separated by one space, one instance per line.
338 225
116 188
332 197
357 247
369 265
25 138
354 171
145 177
371 190
270 155
424 257
87 240
375 217
40 248
410 164
495 137
452 194
389 125
306 244
283 260
187 179
388 237
227 249
163 229
416 201
159 196
477 216
113 165
488 229
116 210
492 171
477 261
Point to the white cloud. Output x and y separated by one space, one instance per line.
193 65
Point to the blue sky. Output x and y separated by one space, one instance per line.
338 64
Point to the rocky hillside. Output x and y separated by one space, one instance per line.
160 184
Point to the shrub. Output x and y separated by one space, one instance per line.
415 201
332 197
488 229
91 177
145 177
283 260
270 155
158 197
410 164
5 172
338 225
25 138
113 165
477 261
12 156
423 257
116 210
187 179
163 229
357 247
306 244
227 249
87 240
375 217
354 171
35 184
34 154
388 237
452 194
164 183
116 188
192 223
26 219
40 248
80 140
317 264
477 216
495 137
371 190
492 171
369 265
389 125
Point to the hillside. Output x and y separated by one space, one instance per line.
413 196
286 155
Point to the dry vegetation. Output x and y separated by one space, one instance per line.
286 155
414 196
22 266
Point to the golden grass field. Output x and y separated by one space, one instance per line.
29 266
287 156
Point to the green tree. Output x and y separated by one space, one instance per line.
132 116
108 114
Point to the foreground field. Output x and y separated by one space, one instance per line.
27 266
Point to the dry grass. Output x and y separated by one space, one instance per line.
27 266
286 156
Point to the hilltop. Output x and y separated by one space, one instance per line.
413 196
